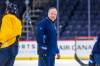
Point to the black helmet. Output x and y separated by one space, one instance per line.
12 8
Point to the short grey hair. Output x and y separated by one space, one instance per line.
52 8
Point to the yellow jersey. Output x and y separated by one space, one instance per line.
10 28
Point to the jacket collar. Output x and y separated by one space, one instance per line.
50 20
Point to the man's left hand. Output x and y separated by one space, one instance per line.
58 56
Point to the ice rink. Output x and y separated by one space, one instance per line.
58 63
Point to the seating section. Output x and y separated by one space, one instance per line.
73 16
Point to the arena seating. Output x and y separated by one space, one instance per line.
73 17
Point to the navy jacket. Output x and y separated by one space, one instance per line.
96 48
46 37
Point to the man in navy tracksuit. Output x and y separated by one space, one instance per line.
95 55
47 39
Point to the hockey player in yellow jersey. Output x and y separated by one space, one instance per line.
10 31
10 28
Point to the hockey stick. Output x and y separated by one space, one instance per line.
77 58
79 61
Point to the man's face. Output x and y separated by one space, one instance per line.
52 14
